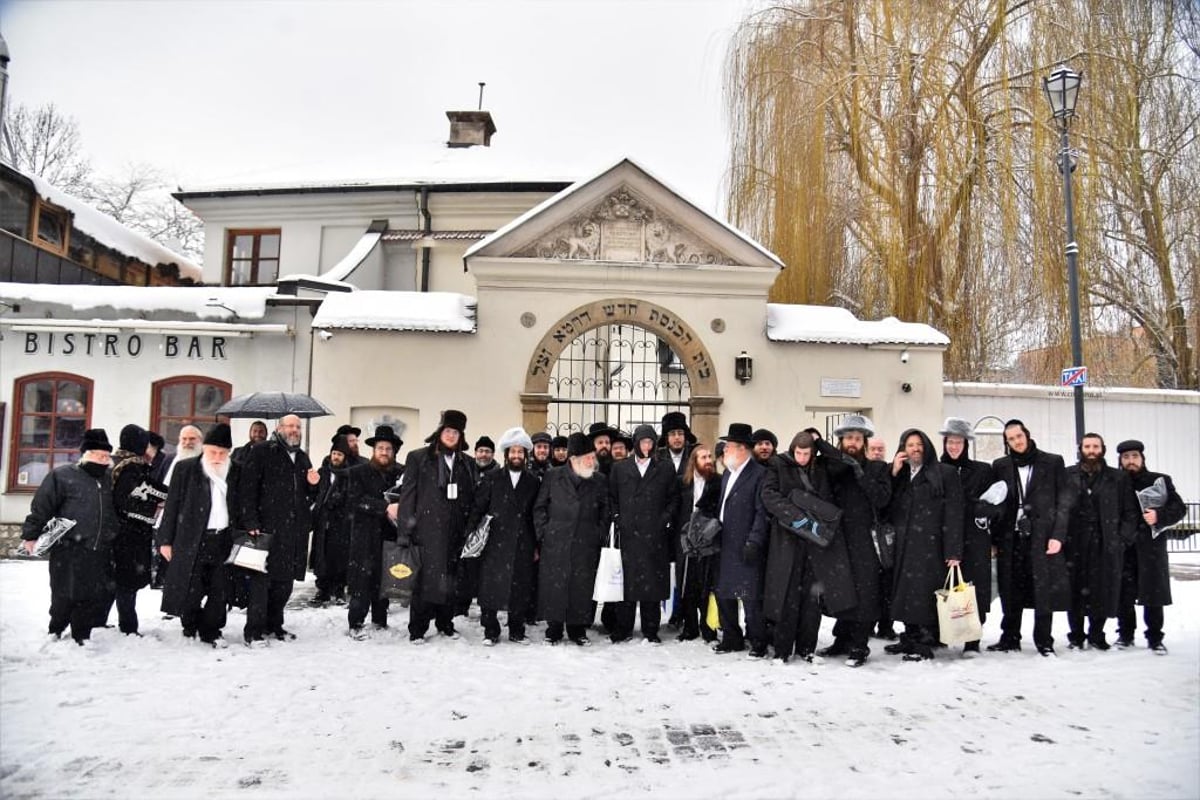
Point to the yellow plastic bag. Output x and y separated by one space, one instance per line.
712 617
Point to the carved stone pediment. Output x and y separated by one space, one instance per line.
624 227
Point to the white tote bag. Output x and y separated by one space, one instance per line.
610 575
958 613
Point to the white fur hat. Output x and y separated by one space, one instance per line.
515 437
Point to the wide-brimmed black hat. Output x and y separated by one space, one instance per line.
385 433
675 421
345 430
95 439
580 445
762 434
740 433
602 429
456 420
219 436
342 445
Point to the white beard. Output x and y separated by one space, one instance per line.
187 452
584 472
215 472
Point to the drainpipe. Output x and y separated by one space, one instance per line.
426 229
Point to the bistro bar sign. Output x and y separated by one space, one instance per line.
131 345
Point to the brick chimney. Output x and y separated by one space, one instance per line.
470 128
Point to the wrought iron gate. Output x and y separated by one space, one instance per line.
620 374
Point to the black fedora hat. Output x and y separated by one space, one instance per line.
385 433
740 433
602 429
346 430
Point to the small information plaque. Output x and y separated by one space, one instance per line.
841 387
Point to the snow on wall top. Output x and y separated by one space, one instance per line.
397 311
109 232
833 325
199 301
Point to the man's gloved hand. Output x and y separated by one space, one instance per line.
751 553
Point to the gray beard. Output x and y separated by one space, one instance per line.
187 452
215 472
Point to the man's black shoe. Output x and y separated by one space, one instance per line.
1045 650
1004 646
1124 643
1099 642
758 651
283 635
723 648
838 648
896 649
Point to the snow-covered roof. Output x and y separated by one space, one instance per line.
397 311
833 325
113 234
203 302
562 196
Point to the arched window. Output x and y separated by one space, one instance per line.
185 400
51 410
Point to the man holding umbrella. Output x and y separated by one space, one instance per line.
277 486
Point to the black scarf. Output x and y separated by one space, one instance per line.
963 460
1025 459
93 469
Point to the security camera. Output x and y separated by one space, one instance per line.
906 387
325 335
904 357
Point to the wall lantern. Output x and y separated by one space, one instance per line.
743 367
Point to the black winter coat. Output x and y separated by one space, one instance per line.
506 564
136 495
71 493
744 520
1111 494
927 512
693 574
976 478
862 500
331 522
645 509
1050 499
1154 576
276 498
571 519
184 520
435 522
363 505
831 565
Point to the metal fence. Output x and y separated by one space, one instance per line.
1185 537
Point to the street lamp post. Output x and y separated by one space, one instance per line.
1062 90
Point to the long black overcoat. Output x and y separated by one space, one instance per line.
276 498
976 477
645 508
1119 515
744 520
927 512
506 565
862 499
136 495
697 570
1154 576
331 521
571 519
831 564
434 521
1050 499
365 507
184 520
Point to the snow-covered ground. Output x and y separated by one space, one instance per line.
325 716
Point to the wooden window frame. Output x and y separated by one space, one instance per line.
157 388
258 233
19 414
44 207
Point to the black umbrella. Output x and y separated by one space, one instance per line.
272 405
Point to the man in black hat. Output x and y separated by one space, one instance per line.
80 580
435 499
372 519
743 539
571 519
601 434
258 433
1145 576
765 445
539 460
644 497
329 554
197 534
485 455
558 451
621 446
676 440
1030 563
136 496
351 434
277 487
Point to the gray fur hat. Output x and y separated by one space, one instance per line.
957 426
855 422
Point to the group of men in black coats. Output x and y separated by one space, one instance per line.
773 540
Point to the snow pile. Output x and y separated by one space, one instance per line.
397 311
109 232
325 716
833 325
204 302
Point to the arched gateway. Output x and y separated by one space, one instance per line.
623 361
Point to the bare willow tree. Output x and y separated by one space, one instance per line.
897 155
46 142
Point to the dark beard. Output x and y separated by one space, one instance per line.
1091 463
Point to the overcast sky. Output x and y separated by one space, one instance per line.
237 93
